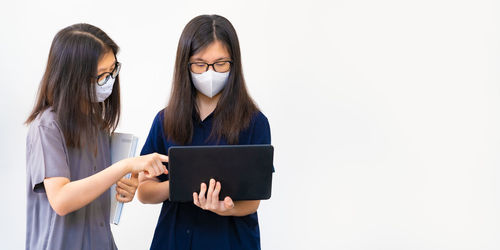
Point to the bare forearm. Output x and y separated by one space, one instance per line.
153 192
77 194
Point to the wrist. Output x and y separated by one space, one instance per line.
228 212
125 166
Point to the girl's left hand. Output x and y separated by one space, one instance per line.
211 200
125 188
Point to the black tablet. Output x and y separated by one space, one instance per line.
244 171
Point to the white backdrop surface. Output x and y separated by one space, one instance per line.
385 115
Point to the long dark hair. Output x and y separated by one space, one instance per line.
68 85
235 107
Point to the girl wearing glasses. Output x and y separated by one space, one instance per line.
68 145
209 105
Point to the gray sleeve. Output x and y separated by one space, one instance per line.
47 156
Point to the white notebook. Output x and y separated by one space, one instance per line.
122 146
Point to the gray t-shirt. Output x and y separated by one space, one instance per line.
48 156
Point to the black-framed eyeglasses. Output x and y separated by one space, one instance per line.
202 67
104 77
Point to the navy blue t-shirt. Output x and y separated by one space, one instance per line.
186 226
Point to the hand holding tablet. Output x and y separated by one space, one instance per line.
211 201
234 172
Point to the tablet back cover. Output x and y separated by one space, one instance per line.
244 171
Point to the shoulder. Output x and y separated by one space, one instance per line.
259 119
45 127
160 115
45 121
259 124
48 118
258 131
155 140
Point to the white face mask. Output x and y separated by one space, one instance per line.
104 91
210 83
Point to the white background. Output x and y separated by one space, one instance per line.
385 115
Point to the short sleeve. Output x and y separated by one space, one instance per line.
261 131
154 141
47 156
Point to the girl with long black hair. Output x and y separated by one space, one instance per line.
209 105
68 166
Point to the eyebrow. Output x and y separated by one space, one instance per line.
219 59
103 69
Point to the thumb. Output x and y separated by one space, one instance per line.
148 174
228 202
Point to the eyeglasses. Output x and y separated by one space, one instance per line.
104 77
201 67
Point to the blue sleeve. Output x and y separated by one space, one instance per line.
261 130
155 141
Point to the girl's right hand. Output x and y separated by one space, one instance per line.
150 164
